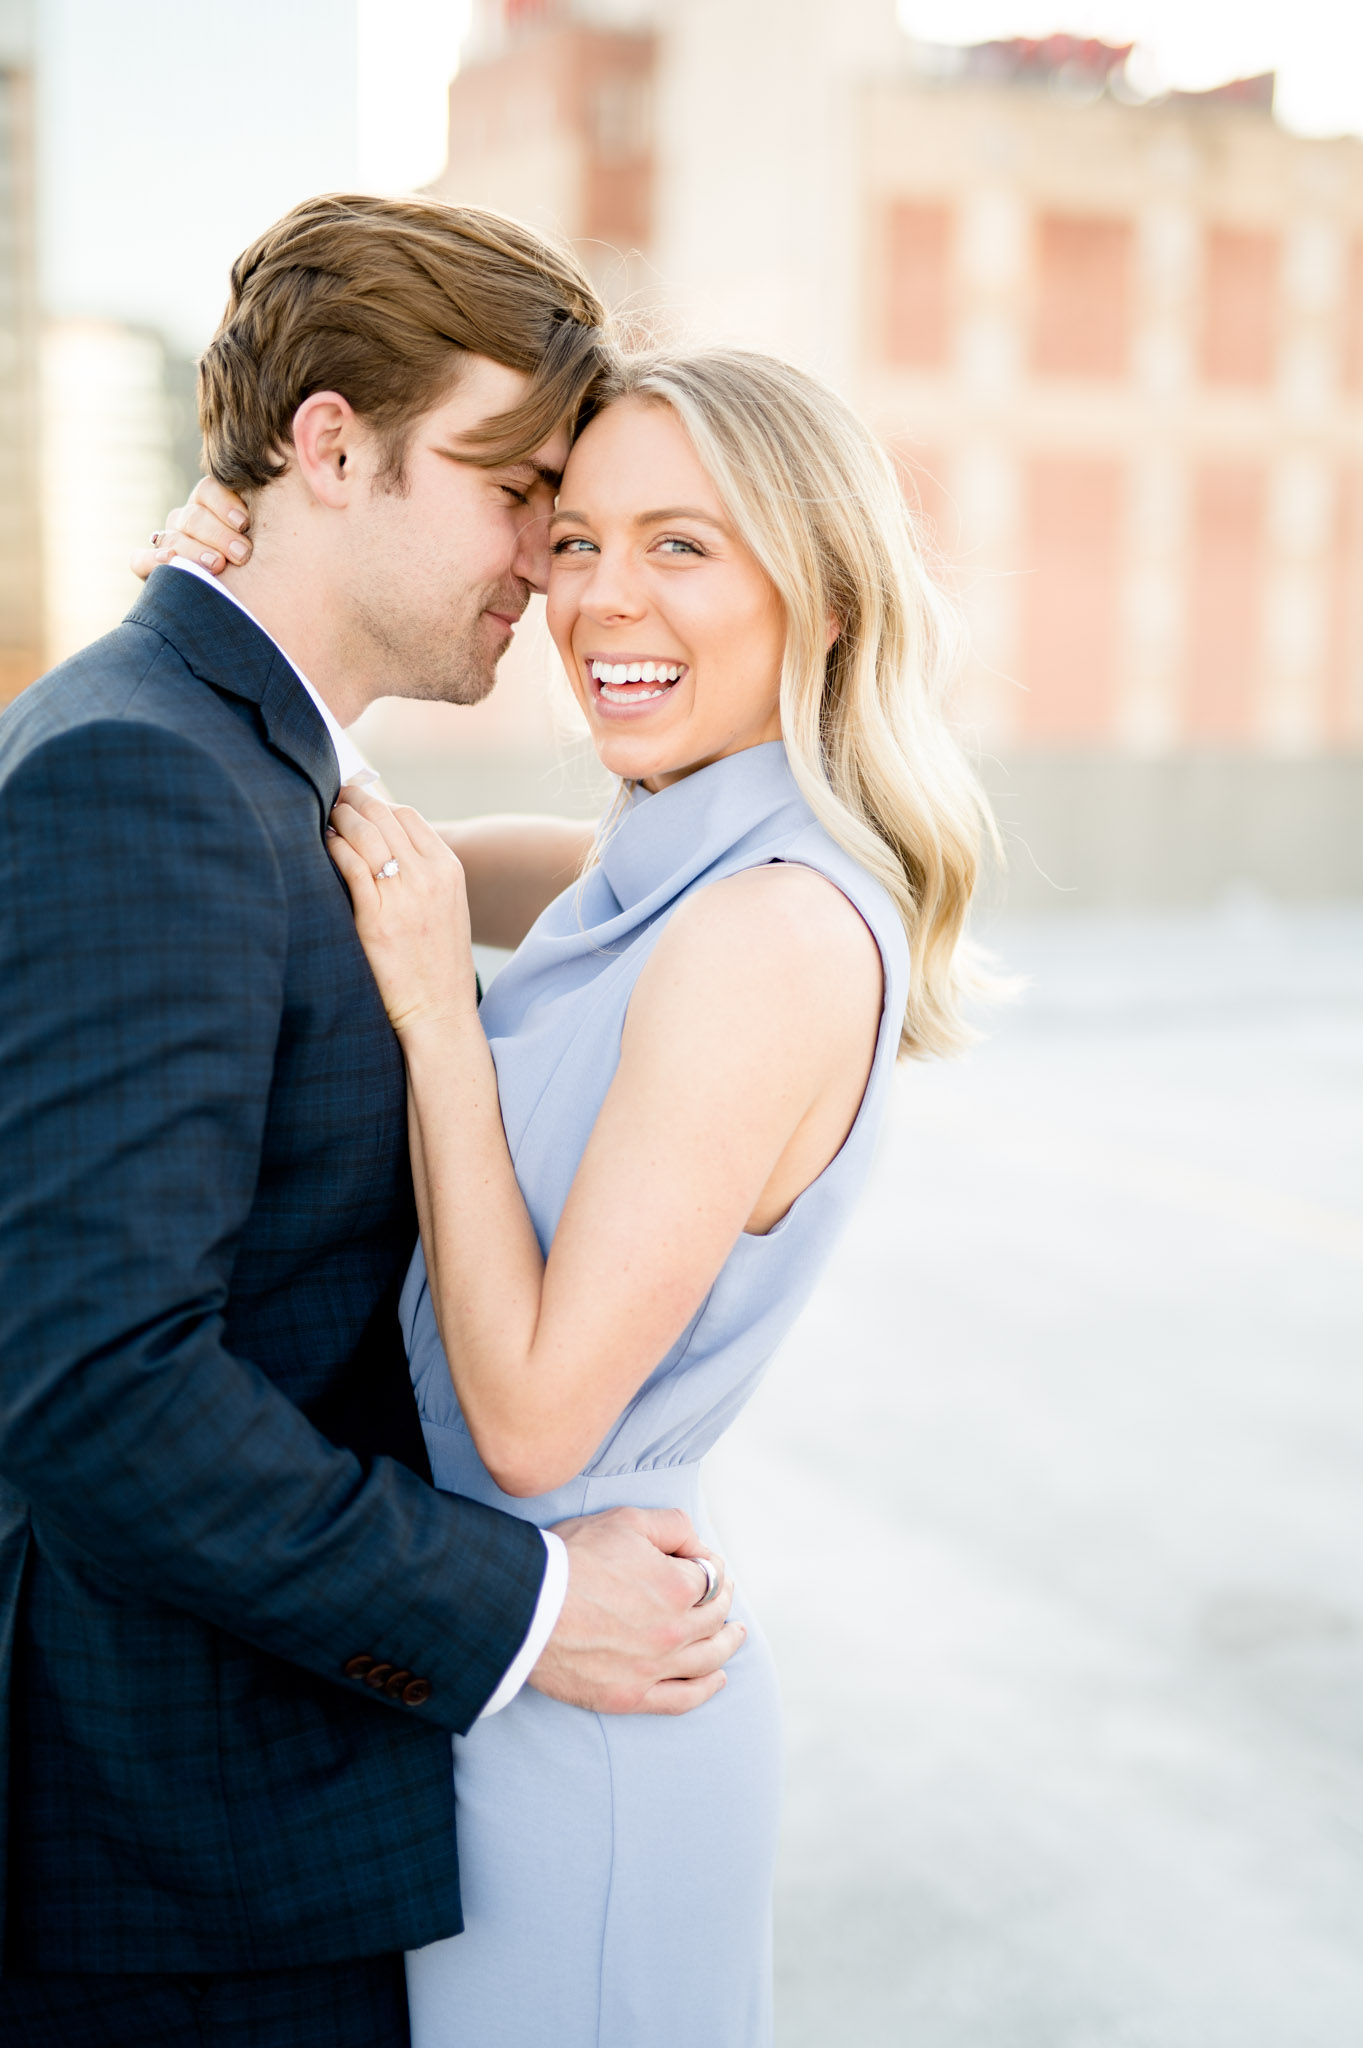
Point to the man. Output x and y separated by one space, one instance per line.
240 1625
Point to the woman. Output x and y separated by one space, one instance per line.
631 1163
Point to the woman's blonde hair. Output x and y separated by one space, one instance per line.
817 500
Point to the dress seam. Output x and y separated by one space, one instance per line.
610 1886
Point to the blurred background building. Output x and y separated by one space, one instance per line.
1113 333
21 618
1116 342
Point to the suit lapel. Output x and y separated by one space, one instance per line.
229 651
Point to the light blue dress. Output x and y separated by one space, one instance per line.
616 1871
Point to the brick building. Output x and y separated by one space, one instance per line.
1117 346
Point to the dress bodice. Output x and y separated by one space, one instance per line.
554 1017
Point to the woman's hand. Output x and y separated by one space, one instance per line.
411 911
209 530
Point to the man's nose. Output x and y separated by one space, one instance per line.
530 556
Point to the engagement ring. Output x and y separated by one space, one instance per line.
387 871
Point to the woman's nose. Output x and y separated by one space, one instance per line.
611 593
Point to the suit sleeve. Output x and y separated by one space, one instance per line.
142 945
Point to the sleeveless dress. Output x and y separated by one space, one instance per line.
616 1870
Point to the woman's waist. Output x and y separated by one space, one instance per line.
457 1468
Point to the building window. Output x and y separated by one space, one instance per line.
918 258
1344 690
1239 306
621 118
1224 628
1352 368
1083 297
1070 598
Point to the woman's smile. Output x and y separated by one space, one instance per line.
626 685
645 561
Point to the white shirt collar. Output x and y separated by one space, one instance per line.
351 762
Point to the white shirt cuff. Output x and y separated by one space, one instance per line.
553 1593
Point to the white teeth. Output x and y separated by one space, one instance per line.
622 696
609 673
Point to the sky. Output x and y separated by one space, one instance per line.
171 131
1315 46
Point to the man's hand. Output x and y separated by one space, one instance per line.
630 1638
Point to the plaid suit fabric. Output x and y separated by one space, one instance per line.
344 2005
205 1214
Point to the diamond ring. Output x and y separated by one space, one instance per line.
387 871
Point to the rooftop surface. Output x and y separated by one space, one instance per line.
1052 1508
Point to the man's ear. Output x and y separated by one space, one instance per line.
325 432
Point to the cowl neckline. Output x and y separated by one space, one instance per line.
667 837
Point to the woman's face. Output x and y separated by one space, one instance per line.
671 634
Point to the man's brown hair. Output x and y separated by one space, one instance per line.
374 298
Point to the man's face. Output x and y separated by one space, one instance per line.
437 574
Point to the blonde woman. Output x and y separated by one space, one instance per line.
632 1162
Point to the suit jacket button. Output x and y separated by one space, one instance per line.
417 1693
379 1676
396 1683
357 1667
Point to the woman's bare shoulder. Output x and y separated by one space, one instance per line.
781 928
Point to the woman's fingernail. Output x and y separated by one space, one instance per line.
331 832
209 559
238 550
237 519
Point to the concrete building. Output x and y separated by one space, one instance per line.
1117 346
20 523
109 419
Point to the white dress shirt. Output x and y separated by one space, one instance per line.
356 770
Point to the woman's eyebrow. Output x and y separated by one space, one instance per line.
663 513
677 512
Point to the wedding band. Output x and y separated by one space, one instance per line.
712 1582
387 871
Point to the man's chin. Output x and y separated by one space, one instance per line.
469 684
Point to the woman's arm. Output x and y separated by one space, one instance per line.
746 1050
514 867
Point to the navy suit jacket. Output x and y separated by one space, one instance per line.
237 1623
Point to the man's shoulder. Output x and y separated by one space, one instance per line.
132 679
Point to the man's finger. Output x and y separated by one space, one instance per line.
680 1695
669 1528
699 1660
705 1616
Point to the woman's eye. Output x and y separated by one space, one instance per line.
571 544
684 547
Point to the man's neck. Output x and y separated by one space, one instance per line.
289 596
